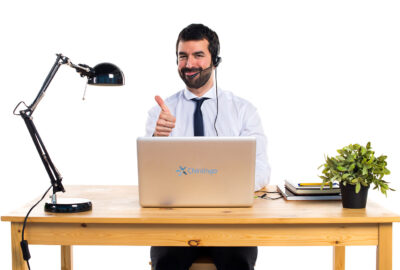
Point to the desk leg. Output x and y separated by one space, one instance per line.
66 258
339 257
384 248
18 262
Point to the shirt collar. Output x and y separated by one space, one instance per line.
209 94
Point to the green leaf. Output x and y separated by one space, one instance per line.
324 178
340 158
358 187
342 169
365 171
371 160
352 166
363 150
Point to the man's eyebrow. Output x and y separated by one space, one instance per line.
194 53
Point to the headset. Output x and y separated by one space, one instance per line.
216 61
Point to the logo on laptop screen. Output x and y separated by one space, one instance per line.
183 170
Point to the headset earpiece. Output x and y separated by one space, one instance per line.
217 61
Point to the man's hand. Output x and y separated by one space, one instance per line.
166 121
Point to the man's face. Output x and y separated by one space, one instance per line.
193 57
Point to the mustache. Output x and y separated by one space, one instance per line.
186 70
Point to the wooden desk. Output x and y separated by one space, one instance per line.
117 219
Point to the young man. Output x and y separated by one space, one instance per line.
202 109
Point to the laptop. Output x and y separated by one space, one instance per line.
196 171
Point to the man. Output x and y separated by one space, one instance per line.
202 109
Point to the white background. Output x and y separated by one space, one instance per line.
323 74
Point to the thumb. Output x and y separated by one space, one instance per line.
161 103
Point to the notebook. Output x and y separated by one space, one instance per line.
289 196
297 189
196 171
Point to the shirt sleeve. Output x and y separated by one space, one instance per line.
252 126
152 118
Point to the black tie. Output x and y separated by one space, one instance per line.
198 118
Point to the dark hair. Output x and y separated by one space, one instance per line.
199 32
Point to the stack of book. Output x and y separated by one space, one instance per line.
309 191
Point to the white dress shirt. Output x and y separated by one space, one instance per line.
236 117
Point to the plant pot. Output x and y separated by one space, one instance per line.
351 199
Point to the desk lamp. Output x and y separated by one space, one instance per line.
104 74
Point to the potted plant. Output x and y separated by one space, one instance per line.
355 169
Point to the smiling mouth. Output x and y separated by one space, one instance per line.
190 73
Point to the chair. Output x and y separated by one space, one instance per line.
202 263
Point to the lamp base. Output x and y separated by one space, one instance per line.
68 205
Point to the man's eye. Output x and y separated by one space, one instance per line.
181 57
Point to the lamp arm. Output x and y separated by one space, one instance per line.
54 174
26 114
59 61
82 69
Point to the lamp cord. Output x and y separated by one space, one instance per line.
24 243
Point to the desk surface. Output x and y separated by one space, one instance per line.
119 204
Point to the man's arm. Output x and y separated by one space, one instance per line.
253 127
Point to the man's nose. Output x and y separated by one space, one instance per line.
189 62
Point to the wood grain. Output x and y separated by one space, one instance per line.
66 258
119 204
202 234
18 262
384 248
339 256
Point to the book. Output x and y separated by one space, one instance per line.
293 197
311 189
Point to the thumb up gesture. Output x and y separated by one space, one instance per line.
166 121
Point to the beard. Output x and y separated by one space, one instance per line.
197 81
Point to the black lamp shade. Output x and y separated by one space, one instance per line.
106 74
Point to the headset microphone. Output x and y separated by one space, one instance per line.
216 62
197 73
